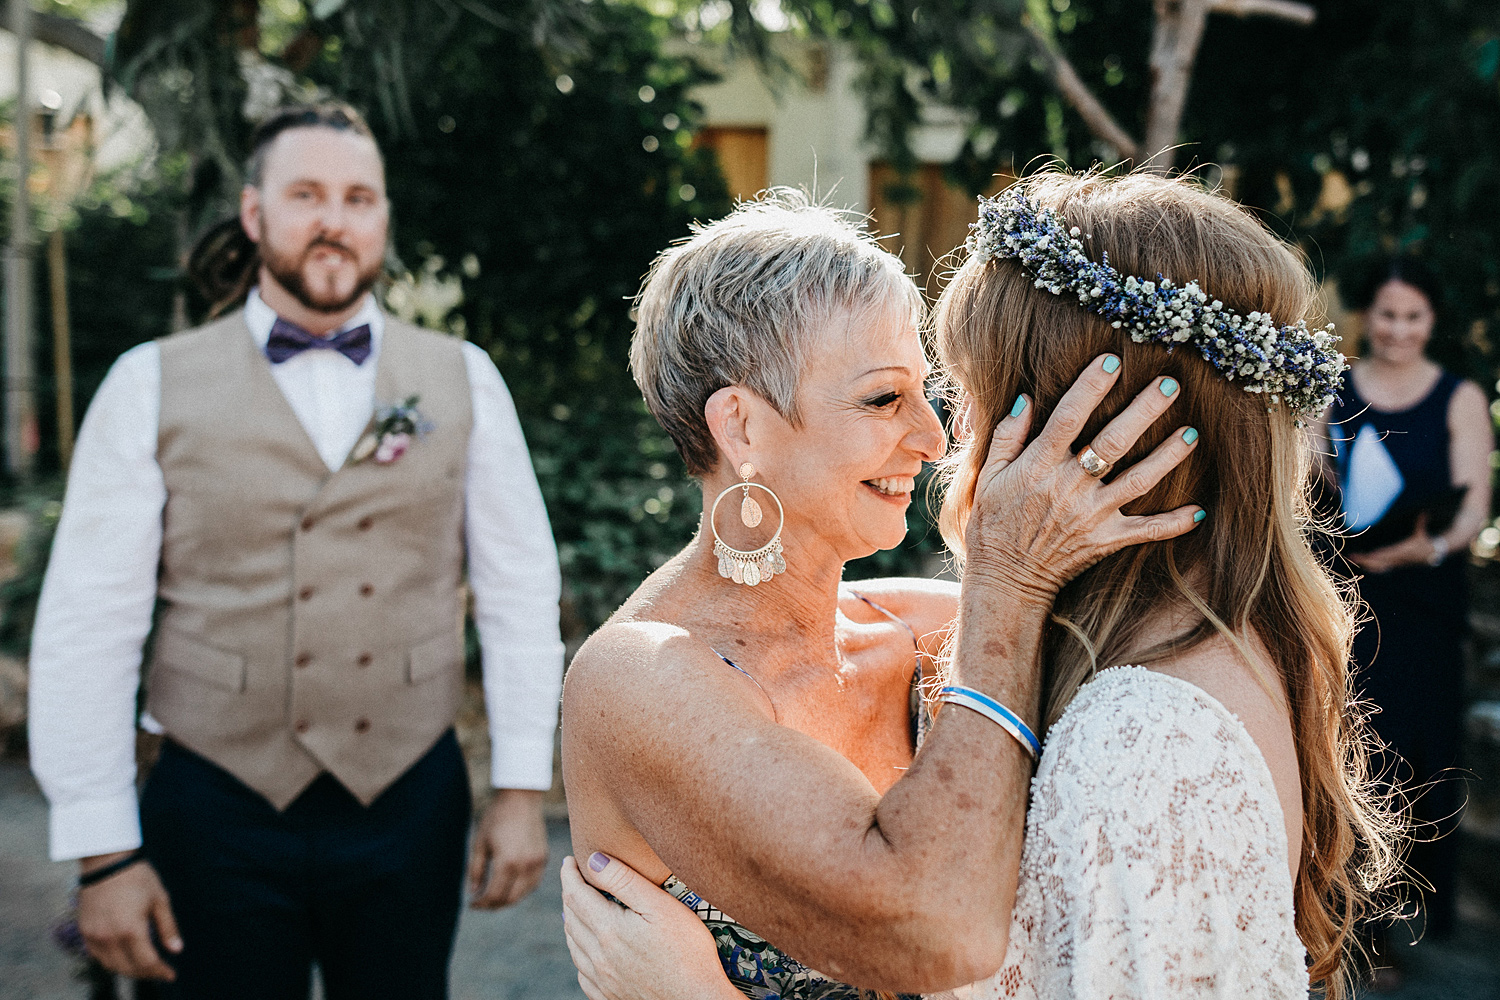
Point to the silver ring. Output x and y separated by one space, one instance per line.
1092 464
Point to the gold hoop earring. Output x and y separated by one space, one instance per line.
757 565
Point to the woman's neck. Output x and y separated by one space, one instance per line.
1394 385
801 602
1386 370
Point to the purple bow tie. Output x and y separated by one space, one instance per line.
289 340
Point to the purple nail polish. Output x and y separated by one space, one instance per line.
598 862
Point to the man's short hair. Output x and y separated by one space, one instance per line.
739 301
325 114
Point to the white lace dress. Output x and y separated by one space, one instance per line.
1155 862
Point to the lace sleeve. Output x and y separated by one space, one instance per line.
1155 858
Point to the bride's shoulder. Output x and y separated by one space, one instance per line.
1141 757
1131 723
1203 735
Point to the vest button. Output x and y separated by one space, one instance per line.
303 659
365 659
366 589
363 725
365 524
305 593
302 726
307 523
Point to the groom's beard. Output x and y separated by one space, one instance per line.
288 272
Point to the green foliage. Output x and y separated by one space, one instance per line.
548 145
1396 104
550 140
77 9
18 595
535 159
122 281
1368 132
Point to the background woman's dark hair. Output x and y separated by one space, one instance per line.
223 262
1360 286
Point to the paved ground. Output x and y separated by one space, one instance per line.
515 954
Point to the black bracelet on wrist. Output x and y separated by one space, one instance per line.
113 868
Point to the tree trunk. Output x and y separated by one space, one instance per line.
1174 48
62 345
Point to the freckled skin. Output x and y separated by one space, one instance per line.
823 731
793 819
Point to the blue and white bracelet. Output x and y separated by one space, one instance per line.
978 701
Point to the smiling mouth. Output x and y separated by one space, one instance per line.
892 486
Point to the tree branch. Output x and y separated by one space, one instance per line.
63 32
1287 10
1077 93
1174 48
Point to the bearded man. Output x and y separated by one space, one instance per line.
299 487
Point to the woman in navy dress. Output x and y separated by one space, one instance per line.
1408 440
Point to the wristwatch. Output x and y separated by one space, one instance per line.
1439 551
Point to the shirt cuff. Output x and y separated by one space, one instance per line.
95 826
521 762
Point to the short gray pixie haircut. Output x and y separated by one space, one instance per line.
738 302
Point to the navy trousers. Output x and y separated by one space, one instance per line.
371 894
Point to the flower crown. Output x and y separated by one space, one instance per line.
1292 364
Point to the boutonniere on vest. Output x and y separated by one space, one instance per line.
395 428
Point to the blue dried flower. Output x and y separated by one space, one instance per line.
1294 366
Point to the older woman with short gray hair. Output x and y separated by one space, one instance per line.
740 303
743 731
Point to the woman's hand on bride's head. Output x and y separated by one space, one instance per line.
1039 519
652 948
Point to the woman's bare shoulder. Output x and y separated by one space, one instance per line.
624 653
1468 404
639 670
1254 694
1218 665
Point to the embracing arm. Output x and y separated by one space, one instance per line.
928 606
866 889
912 891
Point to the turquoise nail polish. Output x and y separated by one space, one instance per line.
1168 386
1111 364
1190 435
1019 407
1199 516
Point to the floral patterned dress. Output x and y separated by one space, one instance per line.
756 967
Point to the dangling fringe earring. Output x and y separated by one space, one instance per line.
749 568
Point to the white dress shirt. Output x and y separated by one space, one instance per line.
97 599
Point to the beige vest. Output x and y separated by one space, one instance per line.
313 620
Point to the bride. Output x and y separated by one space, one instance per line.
1200 823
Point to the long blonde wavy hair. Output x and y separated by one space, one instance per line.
1248 569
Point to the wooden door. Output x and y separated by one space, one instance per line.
924 219
743 154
